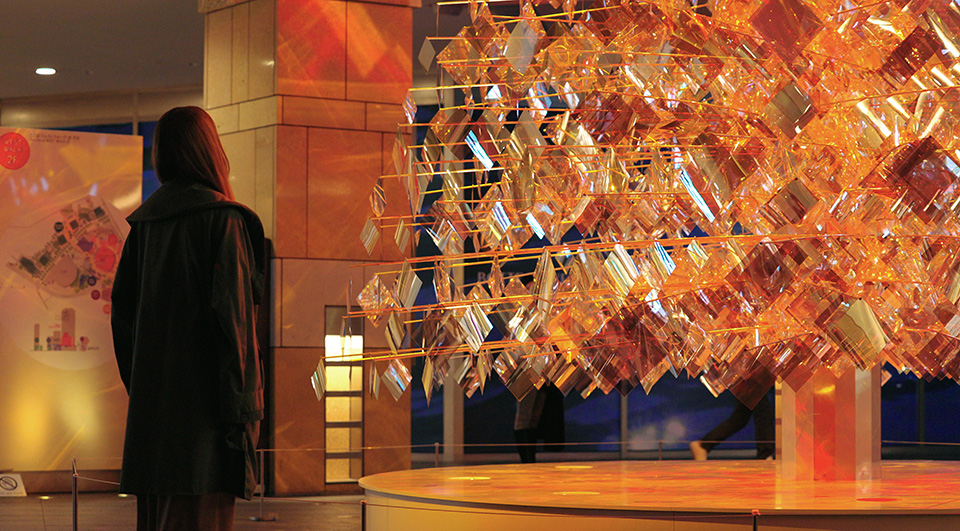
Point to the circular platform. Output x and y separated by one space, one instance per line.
674 495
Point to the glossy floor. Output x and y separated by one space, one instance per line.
110 513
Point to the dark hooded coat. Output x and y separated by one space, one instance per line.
190 275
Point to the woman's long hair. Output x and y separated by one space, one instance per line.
186 146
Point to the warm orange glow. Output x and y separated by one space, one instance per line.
747 193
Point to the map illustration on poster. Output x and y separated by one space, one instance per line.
69 257
63 200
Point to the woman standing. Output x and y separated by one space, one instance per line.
189 277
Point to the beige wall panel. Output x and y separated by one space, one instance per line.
265 177
291 193
227 119
263 44
240 148
261 112
317 112
217 59
240 58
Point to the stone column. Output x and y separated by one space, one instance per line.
307 97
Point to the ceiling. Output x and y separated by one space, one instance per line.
121 45
99 45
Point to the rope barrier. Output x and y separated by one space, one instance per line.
94 480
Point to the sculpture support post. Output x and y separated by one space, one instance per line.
829 428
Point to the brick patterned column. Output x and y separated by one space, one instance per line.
306 95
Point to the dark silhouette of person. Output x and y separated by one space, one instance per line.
183 317
539 417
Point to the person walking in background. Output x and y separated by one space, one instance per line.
183 319
763 421
539 417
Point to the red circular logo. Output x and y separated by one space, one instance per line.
14 151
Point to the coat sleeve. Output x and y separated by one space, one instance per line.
236 282
123 307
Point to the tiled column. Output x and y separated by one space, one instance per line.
306 95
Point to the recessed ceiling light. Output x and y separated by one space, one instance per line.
44 71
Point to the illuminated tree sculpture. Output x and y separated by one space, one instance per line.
743 190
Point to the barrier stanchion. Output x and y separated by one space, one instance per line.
73 466
436 454
756 519
269 517
75 487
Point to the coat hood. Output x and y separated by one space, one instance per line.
179 196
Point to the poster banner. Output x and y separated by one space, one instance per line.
63 199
